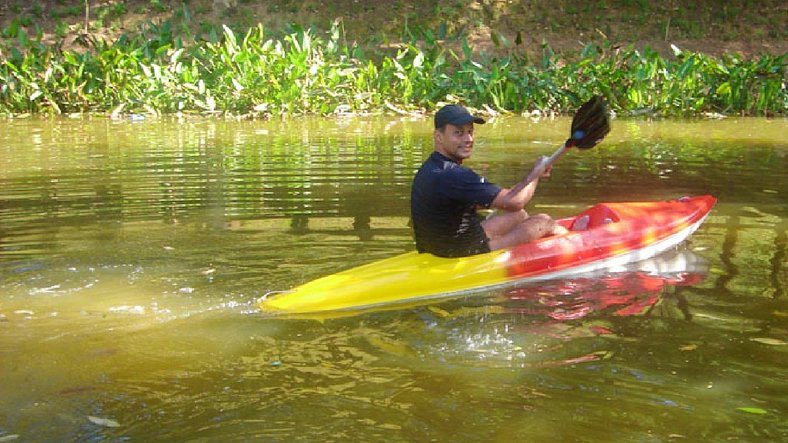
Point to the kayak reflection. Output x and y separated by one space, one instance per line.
629 290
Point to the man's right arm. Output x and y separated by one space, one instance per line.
515 198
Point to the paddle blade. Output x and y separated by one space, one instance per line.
590 125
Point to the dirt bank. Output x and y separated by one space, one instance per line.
714 27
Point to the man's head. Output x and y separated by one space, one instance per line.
455 115
453 134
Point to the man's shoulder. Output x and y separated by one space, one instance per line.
434 164
446 172
436 159
440 171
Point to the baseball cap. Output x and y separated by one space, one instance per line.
455 115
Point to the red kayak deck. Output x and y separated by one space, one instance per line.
608 230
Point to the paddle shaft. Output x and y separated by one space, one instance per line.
589 126
538 171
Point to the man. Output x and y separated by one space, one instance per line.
446 195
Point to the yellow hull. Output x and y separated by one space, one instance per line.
410 276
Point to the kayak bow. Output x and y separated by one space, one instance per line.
602 236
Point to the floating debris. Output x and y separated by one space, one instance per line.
104 422
47 290
139 310
752 410
769 341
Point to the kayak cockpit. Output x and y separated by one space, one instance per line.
593 217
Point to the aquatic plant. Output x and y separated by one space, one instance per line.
161 70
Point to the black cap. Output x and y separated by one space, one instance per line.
456 115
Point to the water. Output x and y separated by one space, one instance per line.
132 254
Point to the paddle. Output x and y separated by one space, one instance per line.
589 126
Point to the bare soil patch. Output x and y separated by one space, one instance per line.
714 27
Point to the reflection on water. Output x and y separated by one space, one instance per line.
131 256
634 290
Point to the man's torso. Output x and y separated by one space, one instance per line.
444 199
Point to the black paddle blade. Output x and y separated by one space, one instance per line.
590 125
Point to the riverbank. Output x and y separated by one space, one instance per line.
714 28
187 64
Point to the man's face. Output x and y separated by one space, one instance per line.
455 142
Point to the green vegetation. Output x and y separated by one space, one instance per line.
257 74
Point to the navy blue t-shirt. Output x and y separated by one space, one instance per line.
443 203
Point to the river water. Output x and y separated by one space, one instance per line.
132 254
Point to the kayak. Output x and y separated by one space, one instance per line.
604 235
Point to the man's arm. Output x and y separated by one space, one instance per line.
516 197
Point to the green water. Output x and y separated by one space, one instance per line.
132 254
